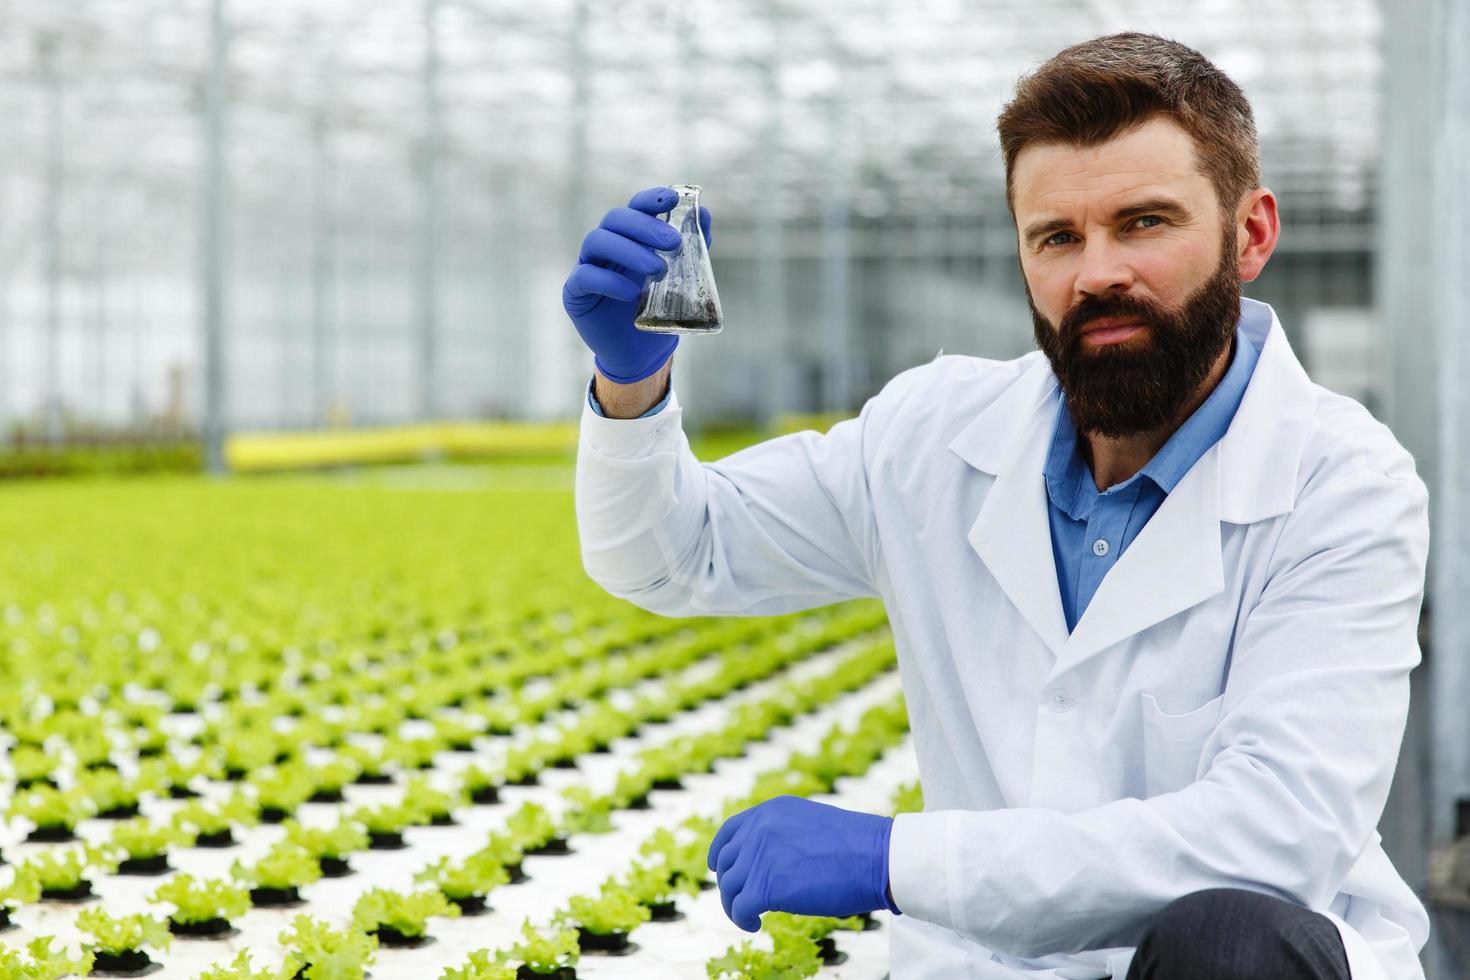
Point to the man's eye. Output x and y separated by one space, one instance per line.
1151 217
1053 239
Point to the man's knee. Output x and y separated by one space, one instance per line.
1220 933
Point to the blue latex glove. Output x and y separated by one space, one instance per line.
601 294
794 855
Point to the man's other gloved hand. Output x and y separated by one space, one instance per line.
795 855
601 294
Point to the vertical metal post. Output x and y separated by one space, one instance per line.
770 237
51 206
1450 312
836 311
323 249
213 237
428 272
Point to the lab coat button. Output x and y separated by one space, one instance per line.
1100 547
1061 701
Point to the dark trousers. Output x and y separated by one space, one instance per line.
1233 934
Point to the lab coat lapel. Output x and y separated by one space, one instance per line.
1173 564
1011 534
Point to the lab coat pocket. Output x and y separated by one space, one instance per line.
1172 743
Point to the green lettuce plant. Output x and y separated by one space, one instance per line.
908 798
195 900
407 915
142 838
54 812
531 826
319 952
548 952
114 934
474 877
64 870
429 805
239 969
40 962
614 910
286 865
206 820
480 965
346 837
588 812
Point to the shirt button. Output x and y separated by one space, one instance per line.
1100 547
1061 701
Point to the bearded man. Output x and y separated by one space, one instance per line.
1154 593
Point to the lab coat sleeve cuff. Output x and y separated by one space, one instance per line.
631 439
918 872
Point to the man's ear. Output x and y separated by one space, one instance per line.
1257 229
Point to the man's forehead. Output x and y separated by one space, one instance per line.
1153 159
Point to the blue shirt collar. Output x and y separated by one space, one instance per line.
1069 481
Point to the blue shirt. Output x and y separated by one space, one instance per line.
1091 529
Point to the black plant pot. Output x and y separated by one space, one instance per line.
36 781
154 864
606 944
386 840
218 838
471 905
125 812
556 847
443 820
276 898
524 972
565 763
870 923
335 867
828 951
485 795
529 779
182 792
129 963
326 796
207 929
235 774
671 783
273 814
5 924
392 938
72 896
51 835
639 803
373 779
517 873
664 912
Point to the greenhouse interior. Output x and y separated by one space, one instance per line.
418 614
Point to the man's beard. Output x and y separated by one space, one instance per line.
1123 389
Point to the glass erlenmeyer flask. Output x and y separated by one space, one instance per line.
683 299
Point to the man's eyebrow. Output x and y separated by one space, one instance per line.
1158 205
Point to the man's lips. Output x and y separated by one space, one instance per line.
1112 330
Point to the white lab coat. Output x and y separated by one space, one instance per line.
1227 712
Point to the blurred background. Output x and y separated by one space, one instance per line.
224 221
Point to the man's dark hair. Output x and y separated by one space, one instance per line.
1094 91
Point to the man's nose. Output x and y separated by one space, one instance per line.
1104 268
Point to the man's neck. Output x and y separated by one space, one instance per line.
1114 460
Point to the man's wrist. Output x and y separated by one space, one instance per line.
629 401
